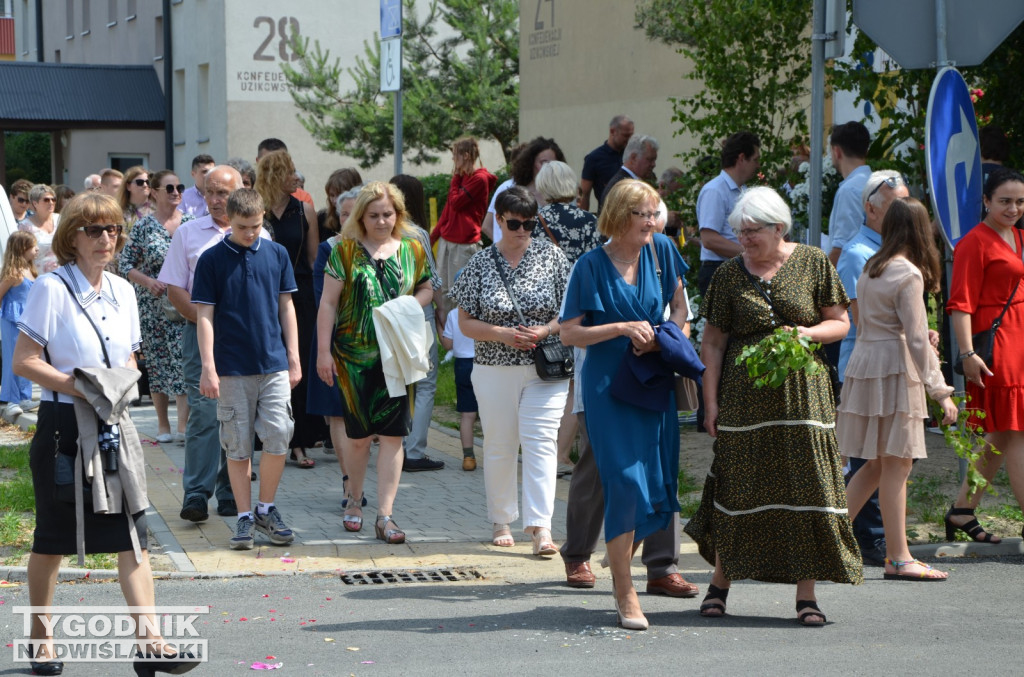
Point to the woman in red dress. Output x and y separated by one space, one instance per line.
987 268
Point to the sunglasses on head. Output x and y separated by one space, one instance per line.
171 188
94 230
890 181
141 182
527 225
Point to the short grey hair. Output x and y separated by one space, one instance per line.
350 194
618 121
662 220
762 206
91 181
637 144
556 182
38 191
874 181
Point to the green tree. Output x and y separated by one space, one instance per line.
465 83
27 156
753 60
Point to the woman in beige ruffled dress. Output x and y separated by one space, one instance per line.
892 367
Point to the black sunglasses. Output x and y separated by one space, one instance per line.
21 200
527 225
170 188
95 230
141 182
891 181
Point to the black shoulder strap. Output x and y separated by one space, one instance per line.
508 286
99 334
1020 250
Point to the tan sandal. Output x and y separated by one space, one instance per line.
542 544
502 536
392 536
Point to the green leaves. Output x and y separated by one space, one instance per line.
967 440
776 356
464 84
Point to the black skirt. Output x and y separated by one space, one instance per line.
55 520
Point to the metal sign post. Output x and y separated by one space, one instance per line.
391 65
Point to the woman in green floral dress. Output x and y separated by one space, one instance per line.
377 259
774 504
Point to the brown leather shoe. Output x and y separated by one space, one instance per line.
579 575
672 585
469 463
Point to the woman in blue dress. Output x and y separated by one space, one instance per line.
615 299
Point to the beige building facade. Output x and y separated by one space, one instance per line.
581 62
226 87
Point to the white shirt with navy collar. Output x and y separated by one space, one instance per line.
54 317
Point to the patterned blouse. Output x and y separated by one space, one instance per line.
574 228
539 282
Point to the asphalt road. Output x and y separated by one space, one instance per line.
971 624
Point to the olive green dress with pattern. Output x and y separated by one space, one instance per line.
774 503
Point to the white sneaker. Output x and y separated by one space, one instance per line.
11 412
29 405
164 438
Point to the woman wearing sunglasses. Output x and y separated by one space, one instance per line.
140 262
85 317
133 195
517 408
42 223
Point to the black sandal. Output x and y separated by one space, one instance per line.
814 611
717 596
972 528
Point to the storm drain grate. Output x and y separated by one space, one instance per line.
381 577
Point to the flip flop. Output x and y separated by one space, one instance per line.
922 576
305 462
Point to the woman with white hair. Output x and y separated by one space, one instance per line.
774 505
565 225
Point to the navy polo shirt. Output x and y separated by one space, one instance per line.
600 165
243 284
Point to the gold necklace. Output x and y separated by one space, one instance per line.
626 262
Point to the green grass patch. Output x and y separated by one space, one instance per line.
445 382
1007 512
688 507
100 560
687 484
16 493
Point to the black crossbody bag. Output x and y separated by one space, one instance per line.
833 373
553 360
984 342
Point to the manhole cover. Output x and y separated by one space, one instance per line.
381 577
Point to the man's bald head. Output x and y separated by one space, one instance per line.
221 181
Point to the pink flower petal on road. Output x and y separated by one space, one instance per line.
265 666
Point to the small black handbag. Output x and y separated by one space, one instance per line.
553 360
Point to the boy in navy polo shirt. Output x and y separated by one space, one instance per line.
248 343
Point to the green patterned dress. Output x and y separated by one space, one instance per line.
368 410
774 503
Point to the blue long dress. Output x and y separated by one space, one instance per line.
13 388
321 399
636 450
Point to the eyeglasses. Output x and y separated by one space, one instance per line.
141 182
21 200
171 188
527 225
891 181
94 230
647 216
749 232
48 199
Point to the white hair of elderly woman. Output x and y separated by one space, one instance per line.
662 220
556 182
760 205
350 194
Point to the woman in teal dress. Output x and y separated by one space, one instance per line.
615 298
377 259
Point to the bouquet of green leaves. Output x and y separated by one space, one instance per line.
771 360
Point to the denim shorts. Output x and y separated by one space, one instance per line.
465 398
258 404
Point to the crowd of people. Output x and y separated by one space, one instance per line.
280 328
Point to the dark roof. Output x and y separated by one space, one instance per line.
51 96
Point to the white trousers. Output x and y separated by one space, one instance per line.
518 409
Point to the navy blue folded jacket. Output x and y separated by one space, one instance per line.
647 380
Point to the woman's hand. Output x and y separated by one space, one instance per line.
325 367
950 412
974 367
524 338
155 286
711 418
640 334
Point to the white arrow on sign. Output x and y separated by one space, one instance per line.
960 150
